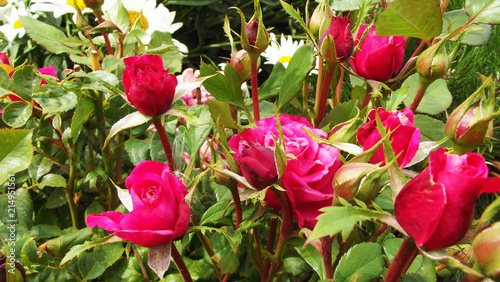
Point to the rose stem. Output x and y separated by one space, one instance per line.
255 88
325 88
305 83
318 83
273 225
237 202
406 254
104 34
162 133
326 252
70 193
420 94
180 264
118 157
368 97
139 260
338 90
198 96
105 151
207 245
286 226
258 259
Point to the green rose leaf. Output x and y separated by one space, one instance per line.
225 87
475 35
56 100
52 180
131 120
363 262
137 150
485 11
46 35
25 82
437 97
24 207
4 80
16 152
416 18
17 113
298 68
83 111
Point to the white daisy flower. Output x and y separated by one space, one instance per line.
150 18
5 8
282 52
59 7
12 26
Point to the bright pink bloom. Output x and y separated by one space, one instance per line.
405 138
436 208
309 174
160 213
149 87
378 58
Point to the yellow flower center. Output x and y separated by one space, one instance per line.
134 16
17 24
3 3
285 59
79 3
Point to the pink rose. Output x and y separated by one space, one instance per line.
191 98
159 213
340 31
309 174
258 165
436 207
149 87
405 138
378 58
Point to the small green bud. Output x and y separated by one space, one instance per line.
433 63
486 251
240 61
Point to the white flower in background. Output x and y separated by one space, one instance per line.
282 52
12 26
59 7
151 18
5 8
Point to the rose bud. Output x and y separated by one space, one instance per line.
336 42
432 63
258 165
257 38
486 250
471 124
436 207
405 137
240 61
93 4
320 17
159 213
357 180
378 58
149 87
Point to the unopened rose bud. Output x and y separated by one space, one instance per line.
337 42
320 17
357 180
471 124
240 62
257 38
486 250
258 166
220 178
433 63
93 4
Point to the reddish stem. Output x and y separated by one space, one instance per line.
255 89
400 264
162 133
321 107
326 252
420 94
104 34
180 264
338 90
367 98
273 225
237 203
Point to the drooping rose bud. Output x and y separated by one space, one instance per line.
240 62
433 63
336 42
471 124
149 87
485 249
357 180
258 165
378 58
257 38
436 208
